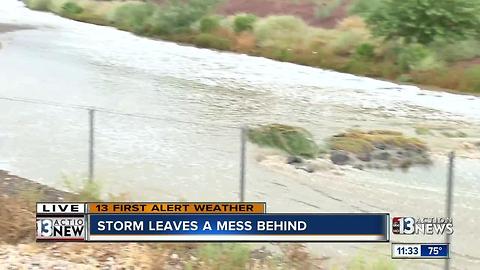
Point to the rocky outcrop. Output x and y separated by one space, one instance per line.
378 149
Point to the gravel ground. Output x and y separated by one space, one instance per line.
18 249
77 256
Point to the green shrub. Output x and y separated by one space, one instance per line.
178 16
209 24
83 189
133 16
346 42
473 78
426 21
281 31
367 67
224 256
431 62
406 78
458 50
365 51
206 40
281 54
415 57
293 140
364 7
42 5
71 9
244 22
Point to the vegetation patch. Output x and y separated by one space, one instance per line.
365 51
224 256
42 5
209 24
244 22
293 140
352 145
423 131
454 134
71 9
133 17
391 138
424 23
473 79
271 32
84 190
206 40
410 42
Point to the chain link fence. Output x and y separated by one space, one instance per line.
159 158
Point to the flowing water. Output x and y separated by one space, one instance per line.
177 135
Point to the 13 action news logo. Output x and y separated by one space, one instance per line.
426 226
60 228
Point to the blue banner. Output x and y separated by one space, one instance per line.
434 250
240 227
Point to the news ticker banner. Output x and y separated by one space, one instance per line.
420 251
222 222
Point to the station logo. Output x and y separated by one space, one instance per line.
61 228
422 225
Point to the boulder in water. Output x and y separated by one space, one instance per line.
366 157
294 160
340 157
310 168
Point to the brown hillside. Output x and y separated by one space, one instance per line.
306 9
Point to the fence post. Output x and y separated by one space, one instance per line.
243 146
91 142
449 199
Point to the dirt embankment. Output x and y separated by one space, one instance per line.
18 249
18 197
